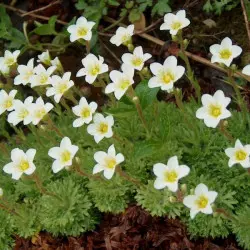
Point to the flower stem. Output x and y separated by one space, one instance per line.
225 132
225 213
82 173
240 100
136 101
127 177
190 73
180 105
41 188
54 127
9 210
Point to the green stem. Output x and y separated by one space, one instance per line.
127 177
41 188
190 73
9 210
54 127
240 100
116 22
224 131
136 101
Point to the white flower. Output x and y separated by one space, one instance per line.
45 58
39 109
21 112
102 127
8 60
107 162
84 111
246 70
239 154
224 52
59 86
82 29
92 68
137 59
25 73
214 109
42 76
123 35
166 74
174 23
121 81
7 100
63 155
21 163
169 175
56 62
201 200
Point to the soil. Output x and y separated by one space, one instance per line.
135 228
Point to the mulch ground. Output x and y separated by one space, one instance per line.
134 229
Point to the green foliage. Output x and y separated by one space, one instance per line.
13 36
241 226
158 202
6 231
218 6
72 201
110 196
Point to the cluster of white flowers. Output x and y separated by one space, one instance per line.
214 107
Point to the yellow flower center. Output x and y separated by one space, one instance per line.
137 61
62 88
167 77
240 155
124 84
24 165
85 112
95 70
65 156
9 61
40 113
28 75
43 79
215 110
110 163
8 104
103 128
176 25
202 202
23 113
225 54
171 176
82 31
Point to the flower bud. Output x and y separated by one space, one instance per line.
225 123
78 161
174 38
185 42
215 214
184 188
234 67
1 193
135 99
42 127
129 4
192 191
172 199
145 71
130 47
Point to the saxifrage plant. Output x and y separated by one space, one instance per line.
74 163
